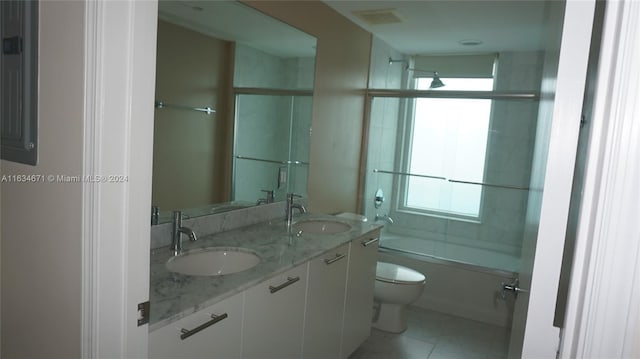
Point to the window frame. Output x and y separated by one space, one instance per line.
401 184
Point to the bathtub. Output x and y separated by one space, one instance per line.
461 281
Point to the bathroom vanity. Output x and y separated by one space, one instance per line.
310 296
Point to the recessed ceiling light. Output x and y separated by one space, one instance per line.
470 42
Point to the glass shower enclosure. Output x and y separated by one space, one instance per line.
271 146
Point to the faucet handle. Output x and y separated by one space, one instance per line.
385 217
293 195
177 217
270 195
155 215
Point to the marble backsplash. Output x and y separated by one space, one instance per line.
220 222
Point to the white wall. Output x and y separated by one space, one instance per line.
41 232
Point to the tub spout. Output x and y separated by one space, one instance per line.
384 217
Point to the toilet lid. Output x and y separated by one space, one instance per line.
393 273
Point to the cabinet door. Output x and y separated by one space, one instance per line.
274 316
221 339
325 304
361 278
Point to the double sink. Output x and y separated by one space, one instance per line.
217 261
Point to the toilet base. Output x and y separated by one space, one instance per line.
391 318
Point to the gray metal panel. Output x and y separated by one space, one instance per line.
19 82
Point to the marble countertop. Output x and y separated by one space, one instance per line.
174 296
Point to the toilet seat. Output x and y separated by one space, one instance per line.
393 273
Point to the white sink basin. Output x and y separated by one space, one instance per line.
321 226
213 261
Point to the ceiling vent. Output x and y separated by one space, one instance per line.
379 17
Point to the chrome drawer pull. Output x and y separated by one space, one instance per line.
186 333
289 282
372 240
337 258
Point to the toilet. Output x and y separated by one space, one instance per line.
395 288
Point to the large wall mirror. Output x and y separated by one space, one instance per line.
233 108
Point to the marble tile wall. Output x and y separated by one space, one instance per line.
255 68
510 150
300 143
262 124
382 74
385 113
303 76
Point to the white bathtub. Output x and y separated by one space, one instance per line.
461 281
451 252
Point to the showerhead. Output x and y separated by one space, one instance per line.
436 83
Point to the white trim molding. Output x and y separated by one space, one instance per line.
603 316
91 164
543 249
120 51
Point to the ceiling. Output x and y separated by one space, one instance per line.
426 27
437 26
233 21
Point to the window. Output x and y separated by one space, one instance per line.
447 138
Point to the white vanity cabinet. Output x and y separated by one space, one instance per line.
274 316
320 309
358 308
205 336
325 304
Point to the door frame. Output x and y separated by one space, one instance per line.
603 318
120 48
119 80
533 333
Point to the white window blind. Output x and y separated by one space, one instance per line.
455 66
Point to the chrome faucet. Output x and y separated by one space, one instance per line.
291 206
178 231
267 200
385 217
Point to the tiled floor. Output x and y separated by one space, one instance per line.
435 335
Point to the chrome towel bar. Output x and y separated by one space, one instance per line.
162 104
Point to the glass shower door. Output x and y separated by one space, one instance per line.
271 146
